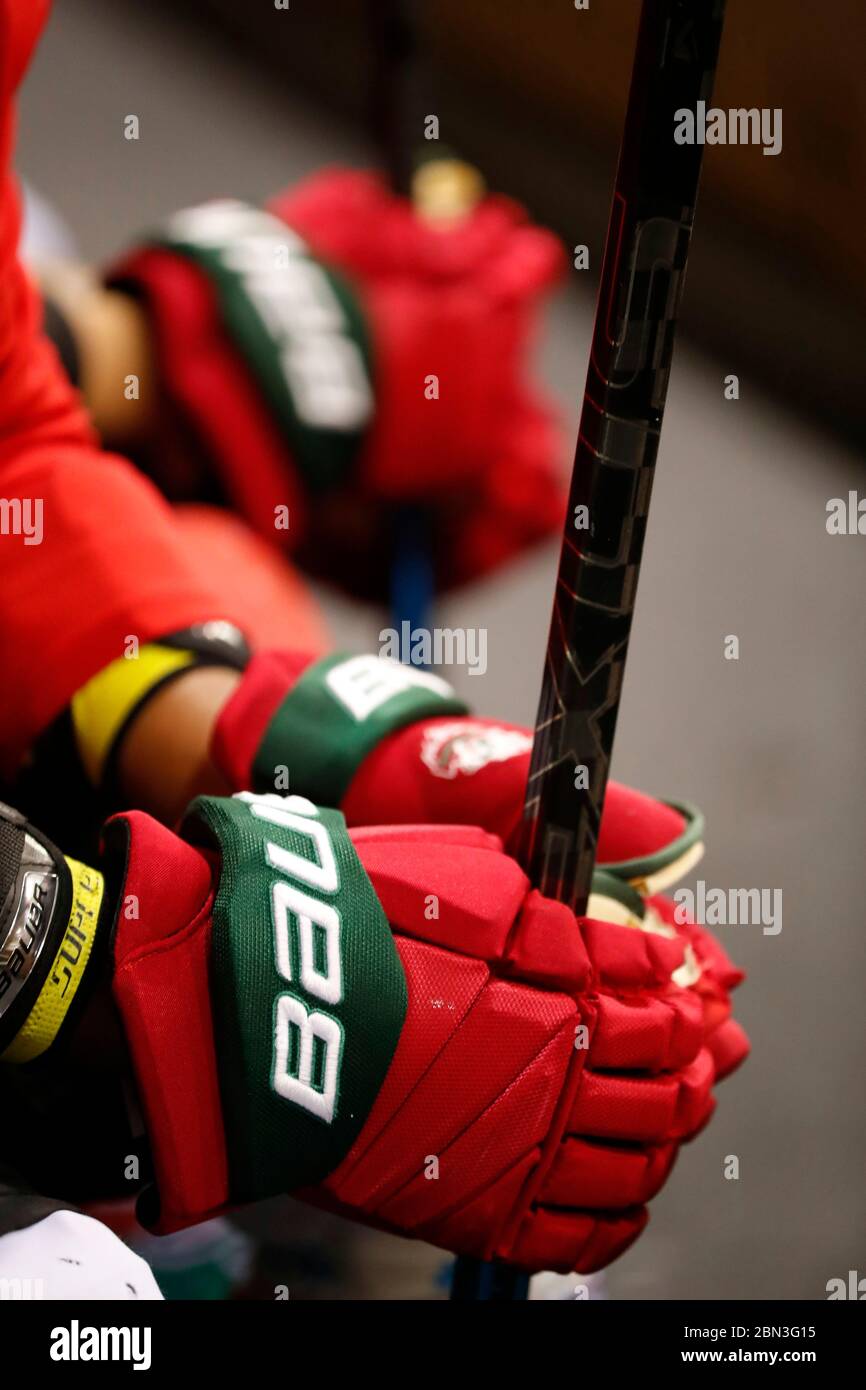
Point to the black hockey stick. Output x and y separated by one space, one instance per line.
396 102
641 284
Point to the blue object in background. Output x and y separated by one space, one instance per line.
412 585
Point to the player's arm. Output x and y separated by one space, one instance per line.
388 1022
91 557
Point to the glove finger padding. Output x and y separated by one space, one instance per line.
513 1084
447 1054
606 1177
725 1039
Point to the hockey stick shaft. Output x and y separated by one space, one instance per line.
396 105
632 343
641 285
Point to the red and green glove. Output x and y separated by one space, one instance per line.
392 1024
339 346
386 742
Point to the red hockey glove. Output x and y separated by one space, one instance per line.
394 1026
339 344
387 742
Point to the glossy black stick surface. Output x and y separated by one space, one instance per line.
641 285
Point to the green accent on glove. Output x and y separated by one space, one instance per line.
608 885
645 866
337 712
308 991
296 324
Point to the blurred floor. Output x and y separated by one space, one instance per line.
771 745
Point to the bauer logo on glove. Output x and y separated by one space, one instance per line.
315 1011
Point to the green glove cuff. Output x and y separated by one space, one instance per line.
308 992
296 324
337 712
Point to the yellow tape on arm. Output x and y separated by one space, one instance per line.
44 1021
102 706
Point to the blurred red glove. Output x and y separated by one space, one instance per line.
390 368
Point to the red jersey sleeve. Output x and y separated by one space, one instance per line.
89 550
